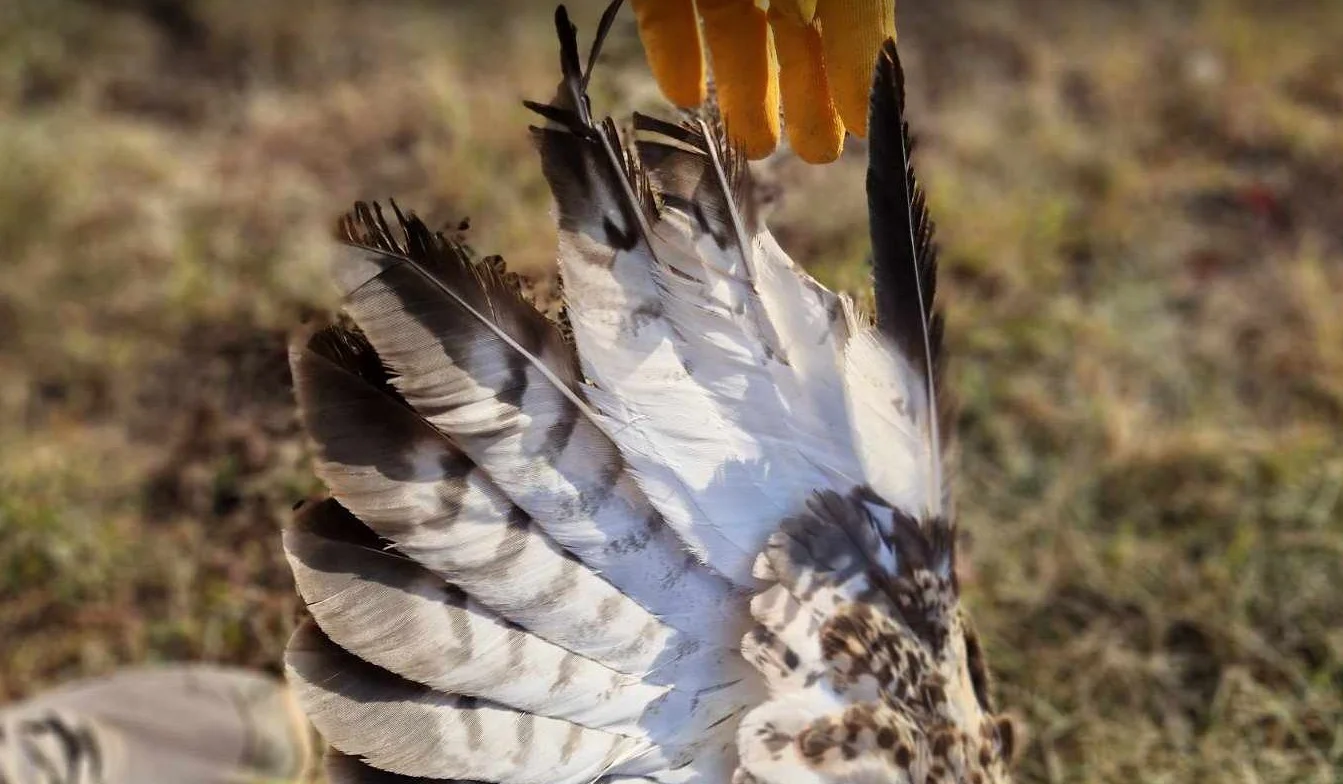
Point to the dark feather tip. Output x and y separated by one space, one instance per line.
603 29
904 256
407 236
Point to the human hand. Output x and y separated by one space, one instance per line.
814 56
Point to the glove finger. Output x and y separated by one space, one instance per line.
671 39
814 128
799 11
745 72
853 32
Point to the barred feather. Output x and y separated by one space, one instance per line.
538 561
669 315
755 327
415 488
413 730
398 615
496 378
904 275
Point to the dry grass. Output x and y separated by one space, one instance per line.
1141 208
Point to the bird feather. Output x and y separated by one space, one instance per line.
390 611
495 377
538 560
415 488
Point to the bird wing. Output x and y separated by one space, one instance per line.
539 555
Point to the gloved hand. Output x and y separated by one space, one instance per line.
816 55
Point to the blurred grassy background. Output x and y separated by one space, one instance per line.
1141 212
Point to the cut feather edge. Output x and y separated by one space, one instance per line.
727 166
408 729
603 29
572 111
380 252
579 162
579 154
799 325
904 255
596 535
360 485
589 203
392 612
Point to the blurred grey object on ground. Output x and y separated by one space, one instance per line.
188 724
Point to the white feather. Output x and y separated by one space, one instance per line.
888 406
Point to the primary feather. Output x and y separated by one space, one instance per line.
700 536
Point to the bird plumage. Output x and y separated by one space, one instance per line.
697 534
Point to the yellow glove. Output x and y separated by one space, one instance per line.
817 56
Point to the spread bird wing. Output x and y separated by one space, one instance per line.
540 553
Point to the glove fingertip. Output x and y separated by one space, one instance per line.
853 32
746 74
670 34
815 130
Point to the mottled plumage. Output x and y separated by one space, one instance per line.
699 534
